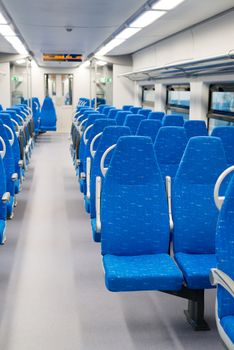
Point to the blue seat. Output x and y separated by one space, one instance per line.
149 128
106 109
120 117
3 204
112 113
110 136
9 164
173 120
101 107
226 133
127 107
6 119
36 110
133 121
223 276
135 110
195 128
145 111
156 115
194 212
134 221
98 126
48 117
169 147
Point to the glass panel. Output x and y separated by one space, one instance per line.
67 89
185 115
179 98
222 102
50 85
218 122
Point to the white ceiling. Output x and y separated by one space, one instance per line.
42 24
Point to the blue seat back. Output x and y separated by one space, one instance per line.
101 107
3 207
112 113
149 128
156 115
110 136
106 109
145 111
127 107
169 147
194 211
173 120
36 110
48 117
134 212
120 117
135 110
226 133
225 250
133 121
195 128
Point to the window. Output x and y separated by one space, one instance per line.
178 99
148 96
221 105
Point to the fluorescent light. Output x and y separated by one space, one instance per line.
17 44
166 4
6 30
2 19
127 33
101 63
110 46
147 18
22 61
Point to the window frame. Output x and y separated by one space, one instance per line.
174 107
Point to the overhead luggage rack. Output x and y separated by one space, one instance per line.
192 68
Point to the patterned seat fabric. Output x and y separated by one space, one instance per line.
112 113
195 128
106 109
225 260
110 136
149 128
169 147
134 216
145 111
173 120
3 206
48 117
194 212
133 121
135 110
121 116
156 115
127 107
36 110
226 133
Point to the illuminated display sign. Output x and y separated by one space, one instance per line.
62 57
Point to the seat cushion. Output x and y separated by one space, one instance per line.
196 269
2 231
142 272
227 323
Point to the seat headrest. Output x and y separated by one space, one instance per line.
92 117
156 115
106 109
226 133
135 109
195 128
133 162
173 120
133 121
120 117
202 154
127 107
145 111
112 113
101 124
170 144
149 127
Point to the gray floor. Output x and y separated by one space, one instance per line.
52 292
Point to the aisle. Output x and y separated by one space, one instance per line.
52 292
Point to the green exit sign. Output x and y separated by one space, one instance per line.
16 78
105 80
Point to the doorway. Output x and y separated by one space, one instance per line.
60 88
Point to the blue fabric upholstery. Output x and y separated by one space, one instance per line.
110 136
173 120
3 206
149 128
156 115
101 107
120 117
2 231
106 109
142 272
226 133
225 258
169 147
195 128
145 111
112 113
127 107
135 110
48 117
194 212
134 216
36 110
133 121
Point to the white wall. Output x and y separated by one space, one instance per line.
123 89
5 97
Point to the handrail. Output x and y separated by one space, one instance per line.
219 199
93 142
107 151
12 140
85 133
3 151
81 125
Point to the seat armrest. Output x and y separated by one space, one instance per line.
6 197
98 203
14 177
20 163
219 277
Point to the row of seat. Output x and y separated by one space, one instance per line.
17 137
137 220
